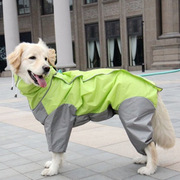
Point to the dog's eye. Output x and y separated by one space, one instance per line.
45 58
32 57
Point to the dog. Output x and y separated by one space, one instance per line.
143 115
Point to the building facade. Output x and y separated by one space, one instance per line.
108 33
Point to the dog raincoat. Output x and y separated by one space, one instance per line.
75 97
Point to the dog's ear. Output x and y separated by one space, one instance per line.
51 53
15 57
52 57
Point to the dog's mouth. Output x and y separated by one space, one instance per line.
38 79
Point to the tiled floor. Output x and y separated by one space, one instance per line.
97 151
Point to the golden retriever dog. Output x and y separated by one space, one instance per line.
33 62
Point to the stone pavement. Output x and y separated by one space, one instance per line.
96 151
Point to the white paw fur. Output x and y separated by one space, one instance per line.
53 167
48 164
146 171
50 171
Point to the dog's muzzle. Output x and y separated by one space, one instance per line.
39 79
46 69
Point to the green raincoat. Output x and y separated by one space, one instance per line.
75 97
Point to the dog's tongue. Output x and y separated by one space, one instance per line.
41 81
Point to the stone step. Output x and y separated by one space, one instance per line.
166 65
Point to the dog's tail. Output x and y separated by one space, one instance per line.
163 134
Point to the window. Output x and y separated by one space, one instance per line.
135 36
1 9
74 53
71 5
90 1
113 43
23 7
52 45
93 46
159 17
2 48
110 0
47 7
25 37
3 62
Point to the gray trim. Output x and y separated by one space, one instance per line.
136 114
58 126
40 113
80 120
59 123
84 80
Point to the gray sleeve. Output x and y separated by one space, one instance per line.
136 114
58 126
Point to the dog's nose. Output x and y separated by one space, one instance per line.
46 69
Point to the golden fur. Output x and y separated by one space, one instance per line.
163 133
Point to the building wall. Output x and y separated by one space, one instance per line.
162 34
101 12
161 47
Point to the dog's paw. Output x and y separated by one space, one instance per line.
140 160
48 164
49 172
146 171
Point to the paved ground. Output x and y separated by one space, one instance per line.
97 151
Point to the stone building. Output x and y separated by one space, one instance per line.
108 33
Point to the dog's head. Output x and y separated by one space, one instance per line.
32 62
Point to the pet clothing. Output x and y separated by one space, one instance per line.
75 97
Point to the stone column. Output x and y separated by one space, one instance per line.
63 34
36 30
11 29
170 17
102 39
